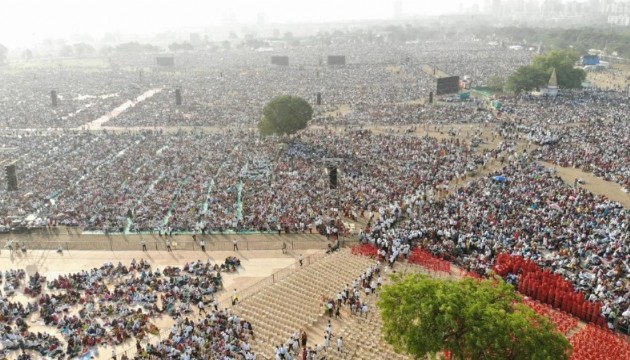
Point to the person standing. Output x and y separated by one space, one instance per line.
144 244
340 344
234 245
301 260
364 309
168 245
202 243
201 308
234 298
303 339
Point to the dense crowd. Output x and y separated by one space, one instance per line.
82 96
363 115
599 148
231 179
88 313
230 87
235 180
527 210
586 129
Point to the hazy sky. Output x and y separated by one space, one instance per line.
25 21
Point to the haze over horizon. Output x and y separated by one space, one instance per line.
27 22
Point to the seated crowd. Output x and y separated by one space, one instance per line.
523 209
114 304
153 181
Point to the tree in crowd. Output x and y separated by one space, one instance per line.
285 115
3 54
469 318
537 75
496 83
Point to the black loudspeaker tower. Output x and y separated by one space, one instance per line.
12 184
319 98
332 177
178 97
431 97
53 98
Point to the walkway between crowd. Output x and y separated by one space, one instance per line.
96 124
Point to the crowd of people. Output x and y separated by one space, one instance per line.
228 178
523 209
365 115
230 87
89 313
599 148
585 129
213 182
26 101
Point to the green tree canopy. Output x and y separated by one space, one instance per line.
496 83
285 115
527 78
563 61
537 75
471 319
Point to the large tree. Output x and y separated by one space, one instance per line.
537 75
564 63
285 115
527 78
471 319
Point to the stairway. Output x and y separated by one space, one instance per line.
297 301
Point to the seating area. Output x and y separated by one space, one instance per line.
548 287
427 260
564 322
594 343
295 302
